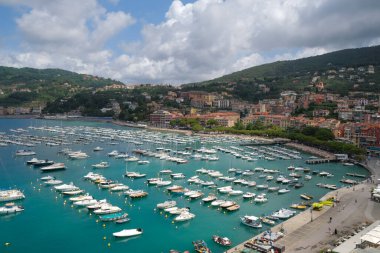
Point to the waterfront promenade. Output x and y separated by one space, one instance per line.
313 231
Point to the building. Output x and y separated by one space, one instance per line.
225 119
161 118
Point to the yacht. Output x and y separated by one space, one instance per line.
128 232
66 187
24 152
261 198
53 182
101 165
249 195
167 204
85 202
132 174
113 153
282 191
10 208
132 159
98 149
107 209
81 198
184 216
119 187
10 195
55 166
283 213
209 198
217 202
33 161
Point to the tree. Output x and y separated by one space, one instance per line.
324 134
239 125
212 123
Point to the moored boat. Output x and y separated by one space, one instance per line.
128 232
225 241
10 208
200 246
251 221
54 166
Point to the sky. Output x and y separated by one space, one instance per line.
175 42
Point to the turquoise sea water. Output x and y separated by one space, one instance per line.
50 225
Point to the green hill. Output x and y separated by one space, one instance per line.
28 86
297 74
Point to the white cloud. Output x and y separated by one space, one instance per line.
196 41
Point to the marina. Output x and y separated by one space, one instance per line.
176 165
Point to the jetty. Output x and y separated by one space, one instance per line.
318 161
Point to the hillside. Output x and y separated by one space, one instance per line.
297 75
28 86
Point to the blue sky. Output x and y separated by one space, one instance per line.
173 41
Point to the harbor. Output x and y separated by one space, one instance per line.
190 170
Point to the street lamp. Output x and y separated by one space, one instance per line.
311 214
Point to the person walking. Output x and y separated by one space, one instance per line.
330 219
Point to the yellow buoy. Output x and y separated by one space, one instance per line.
109 244
97 221
172 222
104 238
104 225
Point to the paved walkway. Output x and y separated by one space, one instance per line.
354 208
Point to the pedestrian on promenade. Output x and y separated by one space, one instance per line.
329 230
335 232
330 219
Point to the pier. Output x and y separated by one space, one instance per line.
318 161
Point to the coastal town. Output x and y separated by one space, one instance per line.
353 118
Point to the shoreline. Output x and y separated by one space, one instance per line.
308 216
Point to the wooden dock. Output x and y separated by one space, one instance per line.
318 161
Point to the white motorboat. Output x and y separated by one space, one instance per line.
47 178
81 198
235 192
85 202
133 174
78 155
167 204
101 165
217 202
33 161
24 152
98 149
184 216
282 191
261 198
55 166
73 192
128 232
283 213
179 210
113 153
10 208
249 195
107 209
53 182
119 187
10 195
142 162
251 221
209 198
163 182
66 187
132 159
